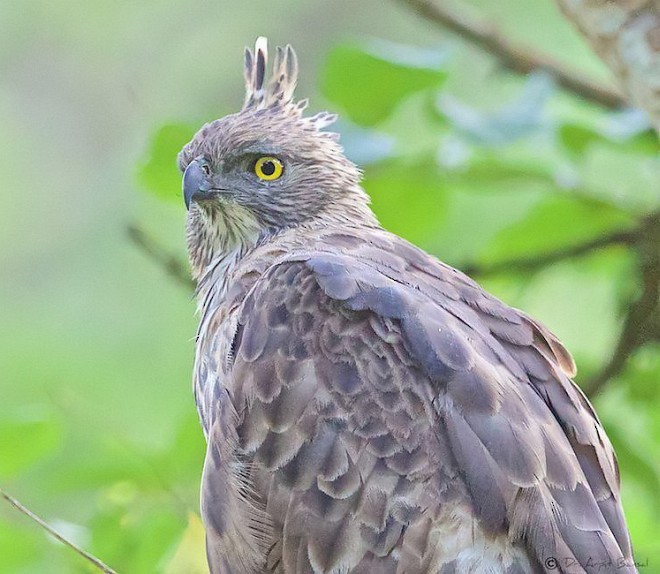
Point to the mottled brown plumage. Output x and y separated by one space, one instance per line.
367 408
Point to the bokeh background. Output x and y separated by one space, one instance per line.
98 429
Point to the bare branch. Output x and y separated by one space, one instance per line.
627 237
173 266
642 322
626 35
520 59
86 555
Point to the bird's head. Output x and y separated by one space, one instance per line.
264 169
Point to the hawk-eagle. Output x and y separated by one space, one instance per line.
367 408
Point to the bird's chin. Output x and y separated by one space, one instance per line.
224 214
210 198
212 203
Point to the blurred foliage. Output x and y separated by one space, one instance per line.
380 76
154 173
514 169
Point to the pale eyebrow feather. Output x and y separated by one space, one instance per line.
262 148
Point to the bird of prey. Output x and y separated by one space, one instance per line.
367 408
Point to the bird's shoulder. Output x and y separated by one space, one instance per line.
370 269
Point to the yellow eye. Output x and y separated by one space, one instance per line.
268 168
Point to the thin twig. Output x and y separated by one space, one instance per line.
535 262
174 267
520 59
642 322
86 555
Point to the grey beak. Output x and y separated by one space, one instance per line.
195 182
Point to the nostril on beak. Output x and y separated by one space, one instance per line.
194 182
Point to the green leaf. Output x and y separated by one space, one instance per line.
158 172
134 532
19 542
473 215
408 199
521 117
578 138
519 163
643 374
183 459
623 170
367 82
189 556
415 129
628 180
557 222
24 440
572 296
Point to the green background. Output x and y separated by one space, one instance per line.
98 429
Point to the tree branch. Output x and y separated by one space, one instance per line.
642 322
174 267
533 263
520 59
86 555
625 36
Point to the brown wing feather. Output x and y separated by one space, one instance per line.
338 456
383 401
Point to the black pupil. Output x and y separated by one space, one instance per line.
268 167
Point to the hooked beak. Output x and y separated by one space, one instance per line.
195 183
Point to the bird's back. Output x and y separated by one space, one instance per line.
370 409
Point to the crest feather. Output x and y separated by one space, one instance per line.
277 91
